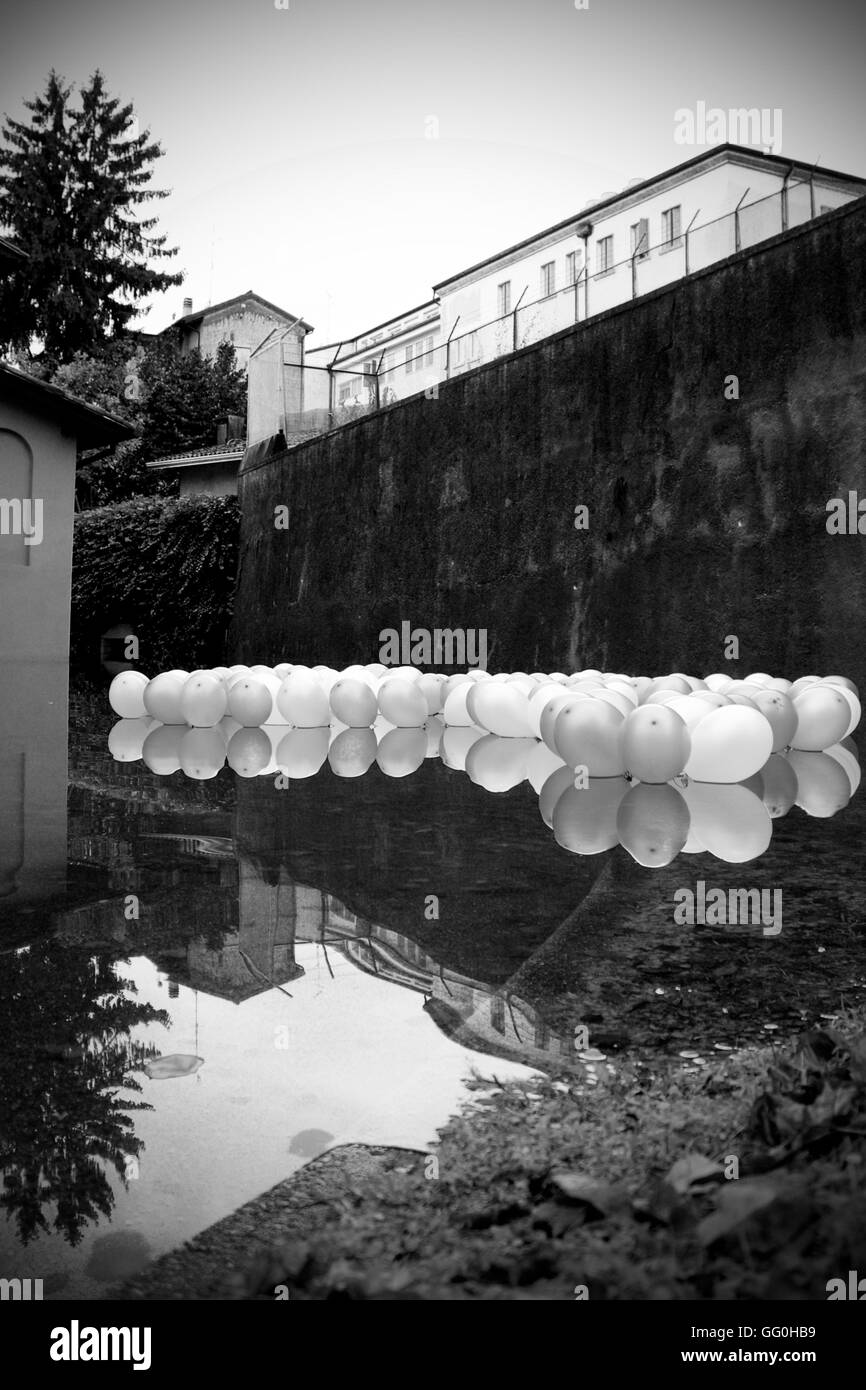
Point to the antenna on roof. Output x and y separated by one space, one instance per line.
210 277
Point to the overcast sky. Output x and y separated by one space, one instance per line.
298 143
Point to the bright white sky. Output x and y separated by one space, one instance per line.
296 141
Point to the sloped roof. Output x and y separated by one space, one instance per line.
209 453
11 253
631 193
198 314
90 425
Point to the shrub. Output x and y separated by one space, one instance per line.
165 565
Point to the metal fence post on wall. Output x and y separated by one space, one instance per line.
332 385
448 349
688 229
634 258
784 206
514 319
737 238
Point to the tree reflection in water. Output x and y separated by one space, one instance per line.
65 1053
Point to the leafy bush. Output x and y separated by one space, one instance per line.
165 565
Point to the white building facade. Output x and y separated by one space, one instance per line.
650 234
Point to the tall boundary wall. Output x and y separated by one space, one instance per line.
707 515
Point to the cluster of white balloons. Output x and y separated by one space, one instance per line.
715 729
571 737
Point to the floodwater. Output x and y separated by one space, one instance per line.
341 951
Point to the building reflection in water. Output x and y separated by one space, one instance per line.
259 914
33 760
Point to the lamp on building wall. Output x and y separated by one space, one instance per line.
584 231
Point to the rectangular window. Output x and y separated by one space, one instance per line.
672 226
503 293
572 266
605 255
548 278
640 238
417 354
497 1013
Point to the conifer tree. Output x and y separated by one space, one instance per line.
72 181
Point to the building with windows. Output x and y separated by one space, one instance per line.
400 354
245 321
625 244
272 340
651 233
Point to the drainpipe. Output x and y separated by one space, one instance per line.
584 231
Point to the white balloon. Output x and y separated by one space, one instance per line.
454 711
691 710
301 752
498 764
501 708
729 745
718 681
126 694
540 765
402 751
853 701
402 702
250 702
203 700
456 743
730 821
823 716
587 734
126 739
162 697
302 701
353 702
654 743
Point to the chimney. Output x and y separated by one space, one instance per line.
187 306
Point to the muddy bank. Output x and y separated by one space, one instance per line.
222 1260
733 1175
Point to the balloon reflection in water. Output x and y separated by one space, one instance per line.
662 765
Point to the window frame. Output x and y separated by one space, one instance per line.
640 231
673 242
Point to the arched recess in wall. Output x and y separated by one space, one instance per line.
16 487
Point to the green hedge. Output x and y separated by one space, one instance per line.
165 565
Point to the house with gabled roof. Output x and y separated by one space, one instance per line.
245 321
